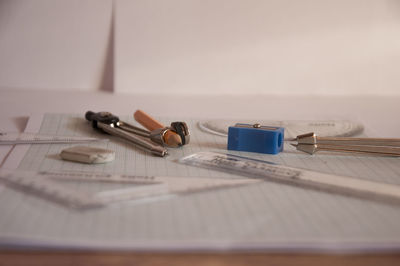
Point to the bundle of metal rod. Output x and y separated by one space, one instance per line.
111 124
311 143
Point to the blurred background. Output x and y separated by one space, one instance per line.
285 47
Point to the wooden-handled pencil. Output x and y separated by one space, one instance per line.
170 138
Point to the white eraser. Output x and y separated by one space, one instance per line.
86 154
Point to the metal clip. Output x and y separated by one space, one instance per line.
311 143
256 125
157 135
182 130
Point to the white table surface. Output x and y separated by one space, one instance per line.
378 114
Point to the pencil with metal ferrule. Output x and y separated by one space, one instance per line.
171 138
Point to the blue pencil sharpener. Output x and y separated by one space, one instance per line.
256 138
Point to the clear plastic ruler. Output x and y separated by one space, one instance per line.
38 185
103 177
266 170
323 128
7 138
42 184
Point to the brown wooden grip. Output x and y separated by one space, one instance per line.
147 121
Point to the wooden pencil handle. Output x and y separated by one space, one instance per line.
170 138
147 121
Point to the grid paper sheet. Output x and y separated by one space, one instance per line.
265 215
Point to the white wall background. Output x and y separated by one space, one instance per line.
258 46
202 46
55 44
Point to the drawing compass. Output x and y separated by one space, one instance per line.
112 125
